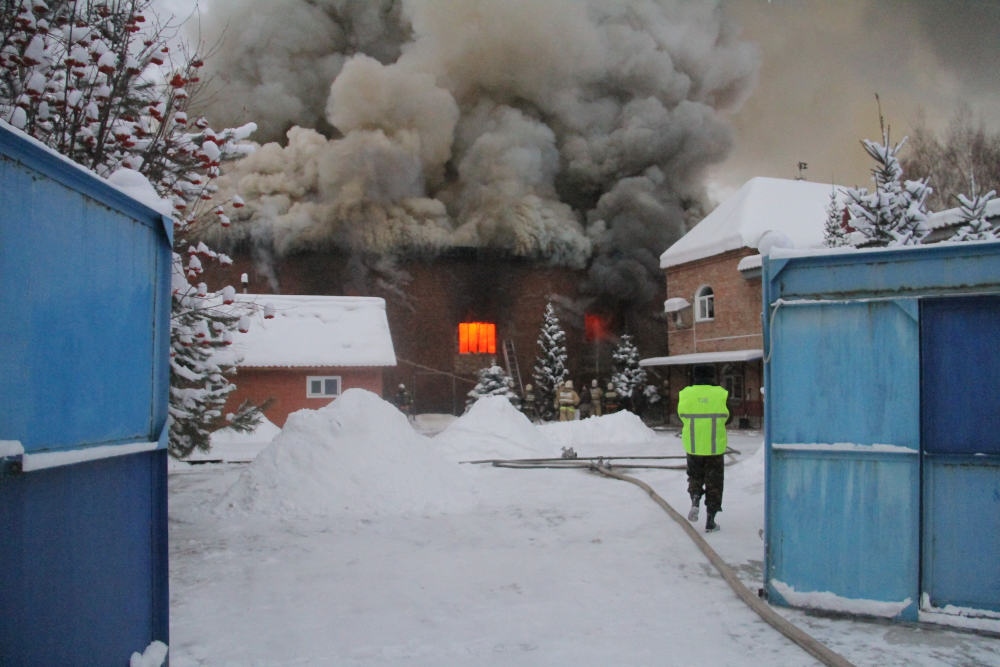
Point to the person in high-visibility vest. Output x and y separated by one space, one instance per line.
703 413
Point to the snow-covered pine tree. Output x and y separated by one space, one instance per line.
550 365
894 213
96 81
493 381
972 209
629 377
834 234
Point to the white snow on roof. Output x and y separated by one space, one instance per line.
726 356
750 262
674 304
794 209
952 216
316 331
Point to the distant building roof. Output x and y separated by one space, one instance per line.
953 216
703 358
794 211
315 331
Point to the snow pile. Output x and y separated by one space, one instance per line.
493 429
233 446
606 435
154 656
357 455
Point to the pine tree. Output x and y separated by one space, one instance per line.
975 227
629 377
96 81
834 233
493 381
894 213
550 365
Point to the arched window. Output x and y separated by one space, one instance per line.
704 304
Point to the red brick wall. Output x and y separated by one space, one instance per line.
287 386
737 324
466 286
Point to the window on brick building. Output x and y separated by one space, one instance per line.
704 303
322 386
477 338
732 381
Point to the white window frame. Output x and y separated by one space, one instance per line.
322 379
704 304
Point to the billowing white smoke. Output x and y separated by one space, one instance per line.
574 131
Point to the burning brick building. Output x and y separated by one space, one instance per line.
453 314
428 132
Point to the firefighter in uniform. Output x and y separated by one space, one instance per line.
703 413
404 402
596 397
566 401
611 399
528 404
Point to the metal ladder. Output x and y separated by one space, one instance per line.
512 368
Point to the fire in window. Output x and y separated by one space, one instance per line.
595 327
477 338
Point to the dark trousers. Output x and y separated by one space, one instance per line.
705 478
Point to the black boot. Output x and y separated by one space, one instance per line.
693 512
710 525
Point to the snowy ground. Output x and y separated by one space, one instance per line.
354 539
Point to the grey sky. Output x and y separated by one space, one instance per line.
824 60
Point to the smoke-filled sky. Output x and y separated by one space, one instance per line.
581 131
824 60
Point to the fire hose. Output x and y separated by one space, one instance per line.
602 466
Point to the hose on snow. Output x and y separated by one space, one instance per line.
598 464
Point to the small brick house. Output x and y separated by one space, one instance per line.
714 291
304 351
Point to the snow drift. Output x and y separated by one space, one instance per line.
607 435
493 429
358 455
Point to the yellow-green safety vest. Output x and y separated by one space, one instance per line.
703 412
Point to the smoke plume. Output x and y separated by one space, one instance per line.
572 131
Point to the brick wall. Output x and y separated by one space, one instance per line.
465 286
287 386
737 324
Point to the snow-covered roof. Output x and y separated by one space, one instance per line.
728 356
952 216
794 210
674 304
315 331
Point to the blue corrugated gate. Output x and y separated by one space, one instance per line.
960 424
882 431
84 332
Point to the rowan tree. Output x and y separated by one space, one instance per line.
97 81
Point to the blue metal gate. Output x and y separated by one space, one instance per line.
84 334
960 443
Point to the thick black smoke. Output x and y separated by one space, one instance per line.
574 131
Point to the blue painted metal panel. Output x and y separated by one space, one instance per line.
961 369
844 373
960 417
83 362
961 547
845 523
84 323
77 585
915 271
843 365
